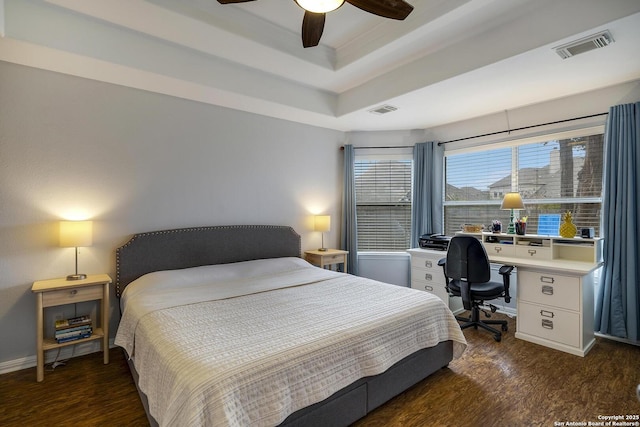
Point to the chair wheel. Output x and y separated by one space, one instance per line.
497 337
505 328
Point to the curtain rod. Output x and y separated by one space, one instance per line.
493 133
523 128
390 146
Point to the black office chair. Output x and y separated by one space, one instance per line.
468 275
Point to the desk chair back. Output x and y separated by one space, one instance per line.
467 260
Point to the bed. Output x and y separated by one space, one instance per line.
228 326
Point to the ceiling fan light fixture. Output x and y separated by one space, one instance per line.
319 6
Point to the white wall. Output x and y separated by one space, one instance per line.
581 105
135 161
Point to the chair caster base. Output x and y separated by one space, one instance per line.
474 322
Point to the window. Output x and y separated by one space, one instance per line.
383 202
552 176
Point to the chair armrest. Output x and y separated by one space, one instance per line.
505 269
442 262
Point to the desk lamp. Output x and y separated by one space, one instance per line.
74 234
512 201
322 224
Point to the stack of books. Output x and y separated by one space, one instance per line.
73 329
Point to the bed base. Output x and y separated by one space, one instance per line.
360 398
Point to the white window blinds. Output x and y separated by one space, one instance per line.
383 204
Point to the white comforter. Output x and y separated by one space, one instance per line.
250 343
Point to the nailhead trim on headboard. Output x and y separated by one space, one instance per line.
195 246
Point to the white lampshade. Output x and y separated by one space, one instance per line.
322 223
319 6
512 201
76 233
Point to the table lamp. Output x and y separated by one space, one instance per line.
75 234
512 201
322 224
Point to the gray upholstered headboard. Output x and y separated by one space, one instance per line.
193 247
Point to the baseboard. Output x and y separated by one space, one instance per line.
50 356
511 312
613 338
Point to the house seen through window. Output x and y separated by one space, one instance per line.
552 177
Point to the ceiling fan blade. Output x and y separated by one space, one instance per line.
394 9
312 27
233 1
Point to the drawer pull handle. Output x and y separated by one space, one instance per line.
427 276
428 264
547 324
532 252
546 313
73 292
547 290
497 248
428 288
546 279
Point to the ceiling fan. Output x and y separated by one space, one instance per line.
315 10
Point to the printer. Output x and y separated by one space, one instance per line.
439 242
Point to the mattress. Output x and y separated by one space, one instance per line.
250 343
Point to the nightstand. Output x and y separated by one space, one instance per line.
328 258
54 292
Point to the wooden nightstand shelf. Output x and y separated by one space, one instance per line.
55 292
327 258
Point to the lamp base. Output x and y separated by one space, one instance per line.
512 226
76 276
322 249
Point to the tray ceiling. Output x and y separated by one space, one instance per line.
450 60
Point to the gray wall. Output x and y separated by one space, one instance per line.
136 161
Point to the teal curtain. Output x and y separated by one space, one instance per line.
426 202
618 299
349 229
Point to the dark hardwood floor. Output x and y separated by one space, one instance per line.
511 383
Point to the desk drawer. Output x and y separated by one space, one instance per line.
427 262
497 249
429 276
549 289
533 252
73 295
437 289
549 323
427 269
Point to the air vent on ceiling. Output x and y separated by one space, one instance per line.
594 41
383 109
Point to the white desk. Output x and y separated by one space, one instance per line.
428 276
555 301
